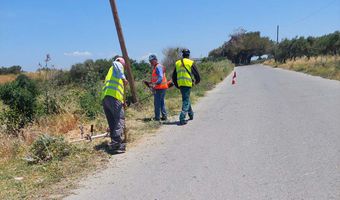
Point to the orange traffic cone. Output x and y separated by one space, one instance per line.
234 78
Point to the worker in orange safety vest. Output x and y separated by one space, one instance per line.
160 85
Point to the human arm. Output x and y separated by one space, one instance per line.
159 72
174 77
195 73
119 70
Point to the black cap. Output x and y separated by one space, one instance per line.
185 52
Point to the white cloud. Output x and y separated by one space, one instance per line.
78 54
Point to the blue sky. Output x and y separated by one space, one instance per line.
72 31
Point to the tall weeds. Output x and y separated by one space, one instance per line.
324 66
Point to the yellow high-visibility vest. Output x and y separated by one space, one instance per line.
113 85
183 77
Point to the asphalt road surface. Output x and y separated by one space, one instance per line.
273 135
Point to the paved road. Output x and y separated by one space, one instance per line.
273 135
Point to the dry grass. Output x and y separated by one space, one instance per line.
7 78
58 124
42 75
10 147
18 180
324 66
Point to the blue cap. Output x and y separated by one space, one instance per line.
152 57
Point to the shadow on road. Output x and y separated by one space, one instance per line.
146 119
104 147
171 123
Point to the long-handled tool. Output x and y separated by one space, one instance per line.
151 89
124 126
89 136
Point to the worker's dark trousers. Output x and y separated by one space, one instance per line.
114 112
186 105
159 103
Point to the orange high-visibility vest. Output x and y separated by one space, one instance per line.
164 84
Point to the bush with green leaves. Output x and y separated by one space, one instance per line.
90 104
11 120
20 97
48 103
62 77
88 70
46 148
141 70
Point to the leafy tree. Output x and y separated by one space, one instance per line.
15 69
242 46
140 70
171 55
102 66
311 46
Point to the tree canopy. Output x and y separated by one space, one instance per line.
15 69
311 46
242 46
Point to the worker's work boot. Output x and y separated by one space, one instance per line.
191 116
164 118
113 145
117 147
182 122
121 148
156 119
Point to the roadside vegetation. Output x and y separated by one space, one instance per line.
312 55
8 74
41 113
317 56
299 47
324 66
7 78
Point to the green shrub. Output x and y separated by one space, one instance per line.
141 70
90 104
50 104
20 96
62 78
89 70
12 121
47 148
78 73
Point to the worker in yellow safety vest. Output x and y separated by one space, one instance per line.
113 101
182 78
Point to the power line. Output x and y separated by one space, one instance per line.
311 14
315 12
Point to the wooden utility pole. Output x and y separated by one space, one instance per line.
277 34
124 51
277 43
